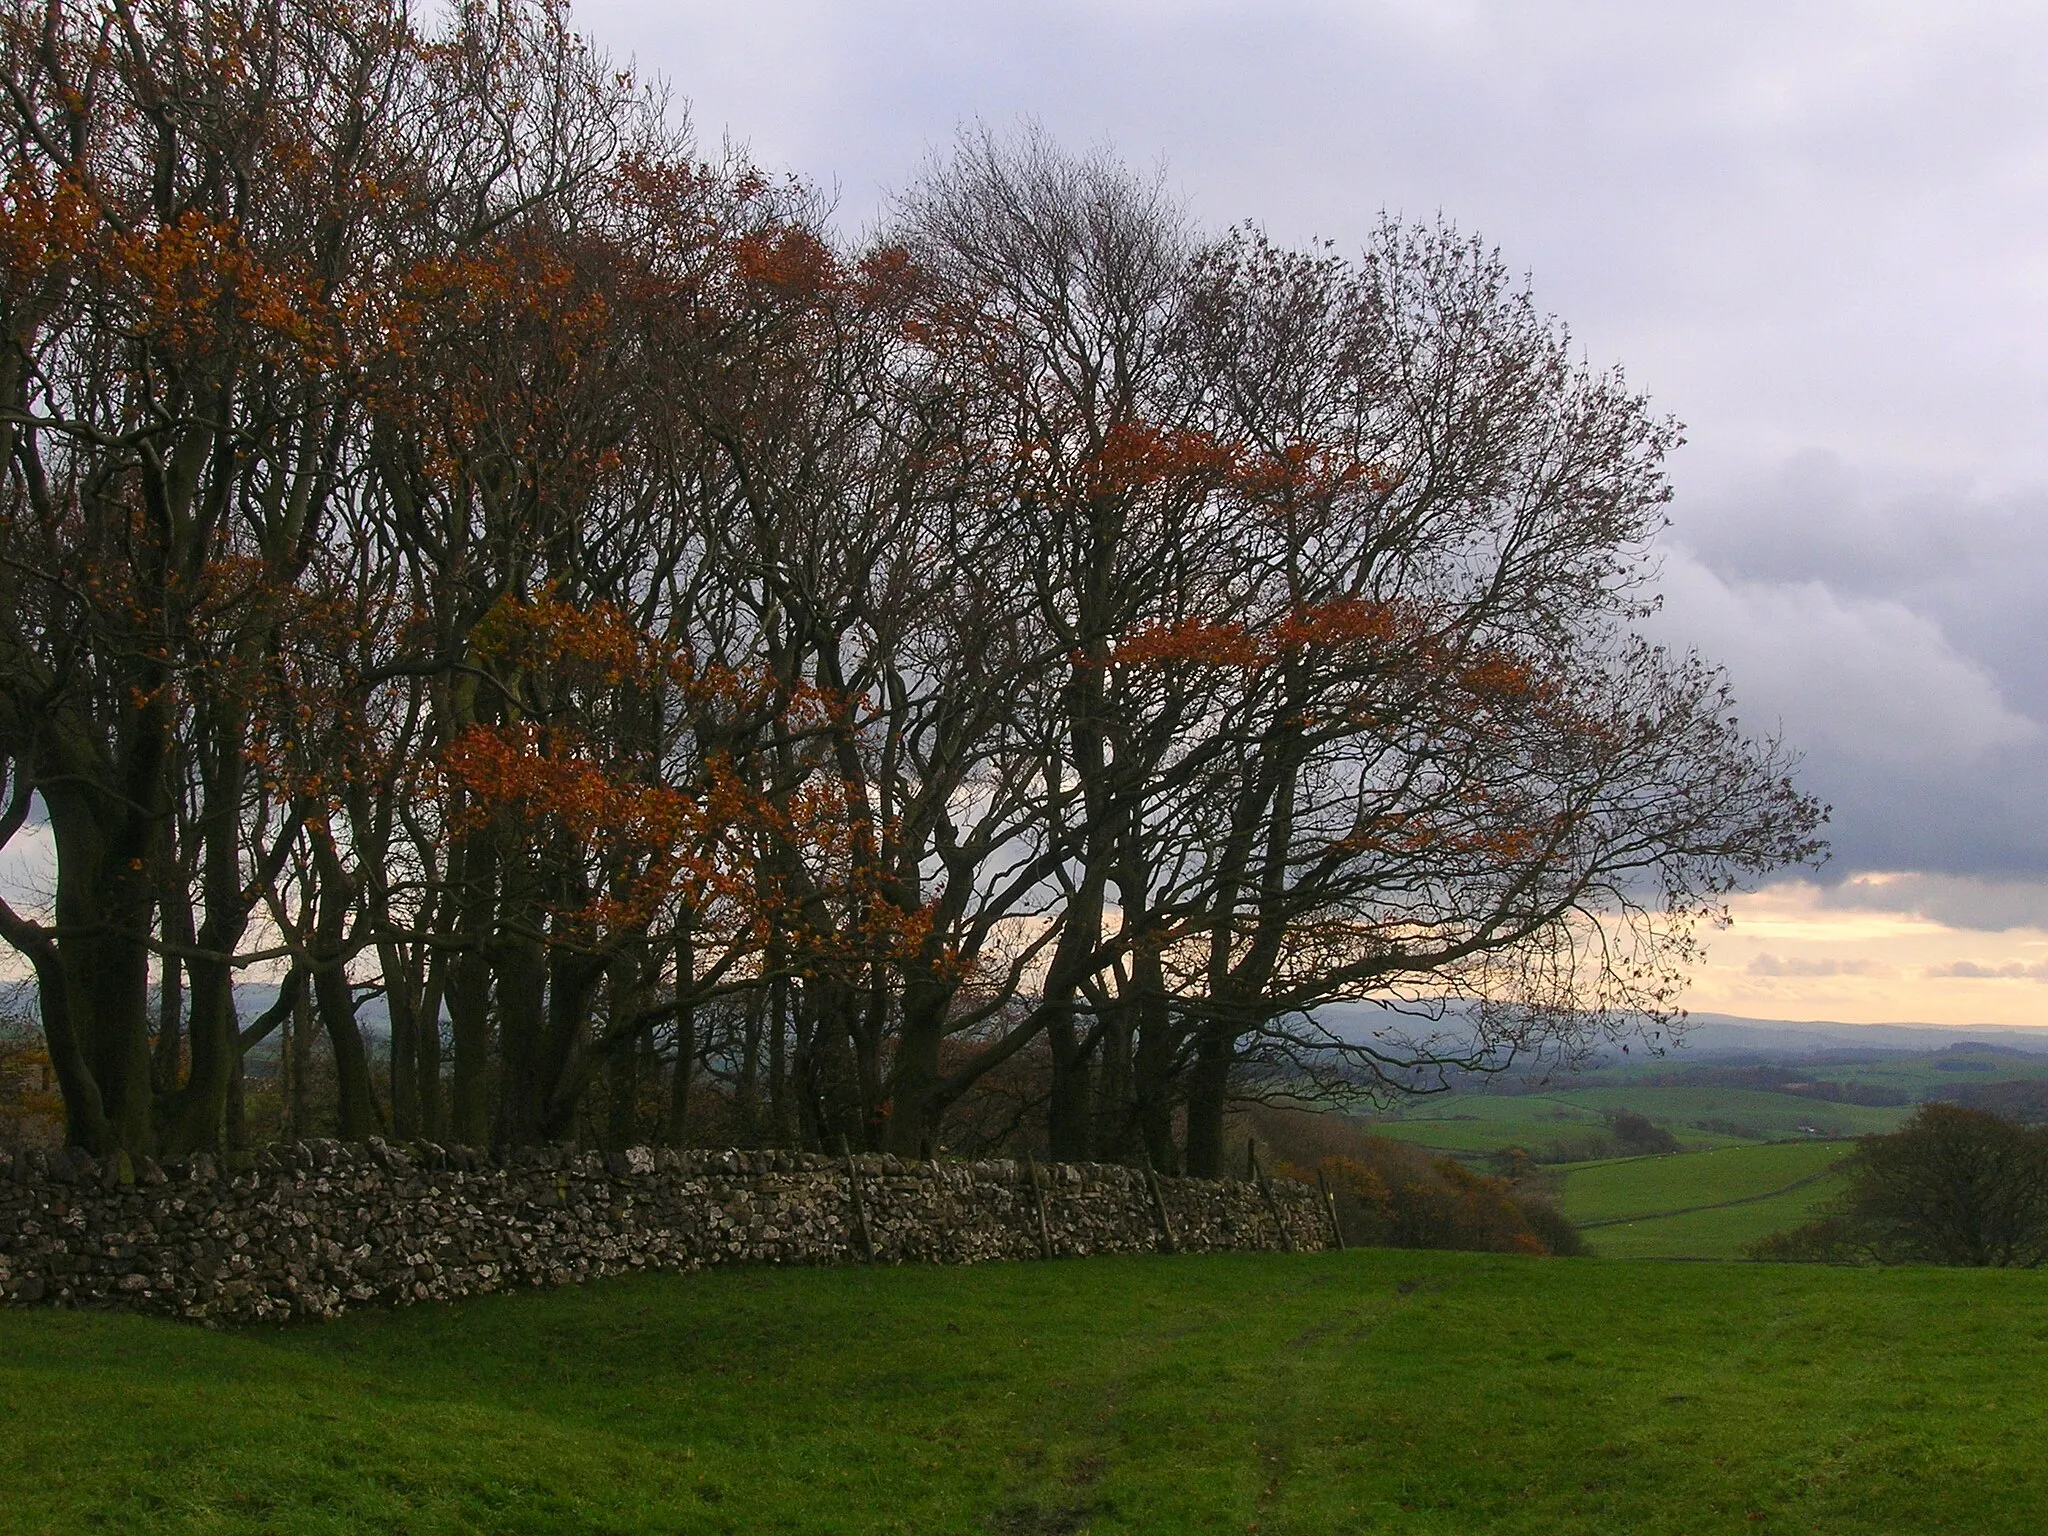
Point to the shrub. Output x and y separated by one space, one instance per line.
2025 1101
1639 1135
1953 1186
1577 1147
1830 1240
1552 1227
1393 1195
31 1114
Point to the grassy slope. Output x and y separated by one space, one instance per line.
1919 1075
1479 1122
1724 1233
1646 1186
1652 1207
1328 1393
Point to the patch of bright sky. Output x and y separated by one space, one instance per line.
1789 956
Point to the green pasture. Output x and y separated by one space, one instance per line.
1774 1115
1487 1122
1646 1186
1698 1205
1920 1075
1722 1232
1364 1391
1926 1076
1474 1134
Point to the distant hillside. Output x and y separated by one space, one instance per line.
1709 1034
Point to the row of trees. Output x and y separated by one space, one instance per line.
461 549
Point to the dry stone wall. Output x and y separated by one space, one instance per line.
311 1229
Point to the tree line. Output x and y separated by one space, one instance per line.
465 551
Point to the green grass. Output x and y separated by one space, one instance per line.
1684 1206
1649 1186
1367 1391
1486 1122
1454 1137
1722 1233
1921 1074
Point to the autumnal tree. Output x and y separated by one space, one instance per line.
1342 562
466 557
1448 771
1056 282
191 191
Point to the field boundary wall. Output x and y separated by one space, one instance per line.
314 1228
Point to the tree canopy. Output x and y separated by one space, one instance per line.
462 548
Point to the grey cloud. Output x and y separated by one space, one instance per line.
1773 965
1989 906
1813 516
1813 232
1970 970
1804 224
1861 675
1975 564
1928 762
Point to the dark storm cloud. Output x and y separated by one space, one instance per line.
1895 634
1816 233
1959 901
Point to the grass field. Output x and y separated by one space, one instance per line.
1724 1232
1365 1391
1922 1074
1485 1122
1698 1205
1645 1186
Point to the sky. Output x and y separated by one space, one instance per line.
1816 234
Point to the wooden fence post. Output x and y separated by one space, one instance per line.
1166 1242
947 1244
860 1206
1330 1210
1038 1204
1272 1205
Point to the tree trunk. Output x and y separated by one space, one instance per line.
676 1132
402 1001
298 1068
355 1096
560 1066
473 874
433 1123
622 1096
779 1094
746 1092
916 1082
1208 1098
520 962
1070 1117
235 1112
1116 1118
109 970
167 1061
